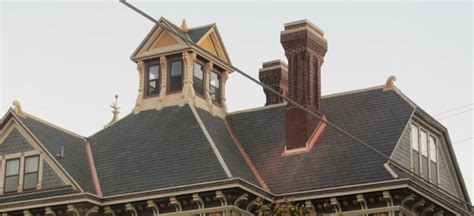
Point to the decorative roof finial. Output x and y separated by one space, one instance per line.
17 108
184 25
389 83
115 111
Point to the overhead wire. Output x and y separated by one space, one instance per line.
287 99
454 109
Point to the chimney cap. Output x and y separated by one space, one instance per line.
273 64
302 23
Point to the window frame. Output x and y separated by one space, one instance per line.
219 75
25 172
5 176
430 132
204 77
148 64
169 61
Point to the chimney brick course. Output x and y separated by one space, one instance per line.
305 48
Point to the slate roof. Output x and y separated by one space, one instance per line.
75 160
168 148
374 116
193 34
224 142
160 149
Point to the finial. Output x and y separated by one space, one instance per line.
115 111
389 83
17 108
184 25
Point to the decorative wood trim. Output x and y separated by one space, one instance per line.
242 198
150 204
72 210
176 204
109 211
221 197
131 209
92 211
198 200
48 211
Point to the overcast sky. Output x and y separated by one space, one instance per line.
65 61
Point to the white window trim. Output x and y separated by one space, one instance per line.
21 156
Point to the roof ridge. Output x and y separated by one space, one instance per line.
352 91
203 128
202 26
47 123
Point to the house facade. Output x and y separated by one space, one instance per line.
180 152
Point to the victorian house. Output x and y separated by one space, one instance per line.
179 152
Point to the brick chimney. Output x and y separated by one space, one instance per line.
275 75
305 47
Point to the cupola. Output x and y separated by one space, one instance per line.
179 65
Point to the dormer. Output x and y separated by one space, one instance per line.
179 65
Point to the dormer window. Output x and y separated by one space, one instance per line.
153 77
175 81
12 175
198 77
424 153
30 179
215 87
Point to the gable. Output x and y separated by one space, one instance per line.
157 41
208 45
165 39
16 143
212 43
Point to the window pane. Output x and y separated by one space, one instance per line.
414 137
31 164
30 181
198 81
215 80
152 87
198 71
433 150
176 76
153 72
13 167
176 68
11 183
214 88
424 143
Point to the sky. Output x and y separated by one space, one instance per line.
65 61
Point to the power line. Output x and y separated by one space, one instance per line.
455 114
290 101
447 111
463 140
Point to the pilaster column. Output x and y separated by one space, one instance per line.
141 86
207 73
163 81
187 92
